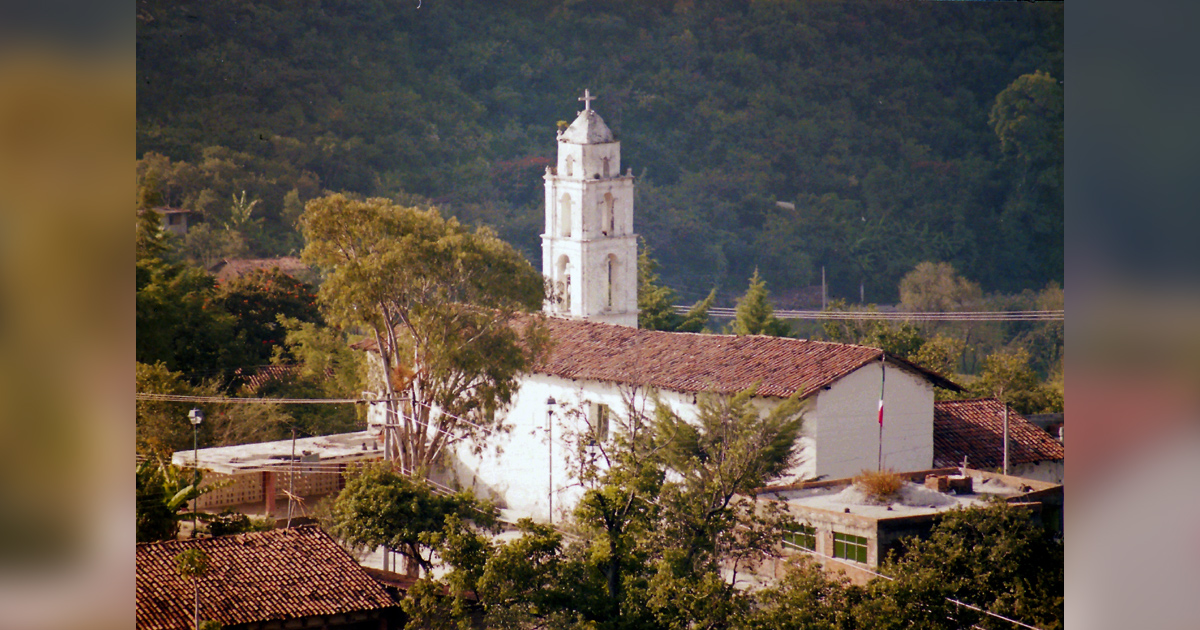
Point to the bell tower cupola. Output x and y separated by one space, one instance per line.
589 249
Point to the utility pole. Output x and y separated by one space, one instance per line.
824 294
291 479
1005 436
550 402
195 416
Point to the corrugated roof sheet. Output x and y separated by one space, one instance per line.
975 428
690 362
275 575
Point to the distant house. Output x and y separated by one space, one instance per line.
849 533
174 220
227 269
974 429
284 578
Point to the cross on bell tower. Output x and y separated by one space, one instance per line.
589 249
587 99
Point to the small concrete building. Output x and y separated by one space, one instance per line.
257 478
845 531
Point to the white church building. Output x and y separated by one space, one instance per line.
600 360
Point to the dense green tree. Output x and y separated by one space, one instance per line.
162 493
438 300
998 558
870 119
379 507
181 325
937 288
755 315
807 598
1006 375
941 353
256 300
663 519
656 302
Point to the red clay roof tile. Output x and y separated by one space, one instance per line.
275 575
691 362
975 428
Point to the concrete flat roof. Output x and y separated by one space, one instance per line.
913 499
339 448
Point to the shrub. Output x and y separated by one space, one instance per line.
878 485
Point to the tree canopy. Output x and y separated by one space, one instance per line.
663 521
656 302
438 300
755 315
858 136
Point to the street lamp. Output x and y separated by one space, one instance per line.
550 402
195 416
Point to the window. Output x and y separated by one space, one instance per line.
564 216
849 547
599 422
605 168
802 536
608 298
608 219
570 161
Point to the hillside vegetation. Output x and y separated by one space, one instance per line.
876 124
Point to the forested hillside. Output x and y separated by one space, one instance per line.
877 125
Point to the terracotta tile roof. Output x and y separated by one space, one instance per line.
275 575
230 268
975 428
690 362
256 377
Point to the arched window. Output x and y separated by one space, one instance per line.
604 161
562 284
570 161
564 215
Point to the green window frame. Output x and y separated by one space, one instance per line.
850 547
802 536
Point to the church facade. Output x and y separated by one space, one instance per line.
601 367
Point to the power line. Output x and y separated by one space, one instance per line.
946 316
228 399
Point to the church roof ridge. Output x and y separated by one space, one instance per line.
697 362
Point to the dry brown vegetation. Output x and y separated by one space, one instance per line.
878 485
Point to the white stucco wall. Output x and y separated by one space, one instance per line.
589 220
514 468
1052 471
839 438
845 423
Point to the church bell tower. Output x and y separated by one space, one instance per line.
589 250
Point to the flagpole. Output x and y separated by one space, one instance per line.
882 382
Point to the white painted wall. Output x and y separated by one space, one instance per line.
514 469
846 428
579 192
1052 471
839 439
